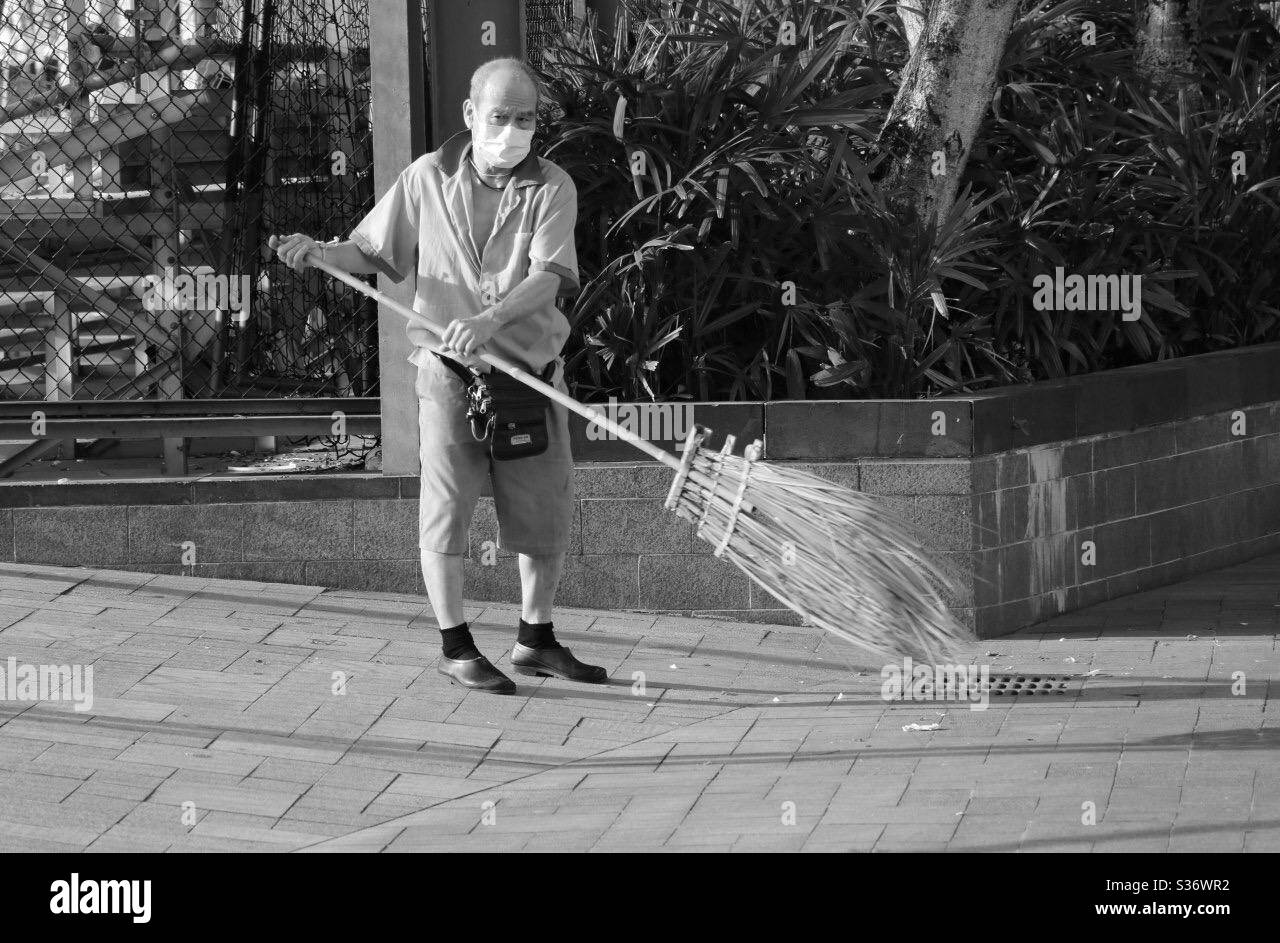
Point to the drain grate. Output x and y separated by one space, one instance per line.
1015 684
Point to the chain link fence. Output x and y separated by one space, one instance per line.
545 20
147 151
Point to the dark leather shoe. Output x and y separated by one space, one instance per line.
557 662
477 673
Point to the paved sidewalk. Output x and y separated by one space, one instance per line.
218 724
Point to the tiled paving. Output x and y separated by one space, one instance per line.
239 716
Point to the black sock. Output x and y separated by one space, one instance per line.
457 643
536 634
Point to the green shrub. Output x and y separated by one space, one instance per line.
760 173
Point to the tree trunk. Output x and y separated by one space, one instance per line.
913 14
945 92
1168 35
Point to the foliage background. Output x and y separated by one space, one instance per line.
760 169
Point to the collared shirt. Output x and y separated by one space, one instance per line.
429 209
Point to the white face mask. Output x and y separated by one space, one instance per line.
503 149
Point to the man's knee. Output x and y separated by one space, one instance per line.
437 558
541 568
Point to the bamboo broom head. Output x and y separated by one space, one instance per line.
838 557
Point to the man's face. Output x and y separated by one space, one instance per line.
507 99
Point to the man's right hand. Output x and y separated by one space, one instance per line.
293 249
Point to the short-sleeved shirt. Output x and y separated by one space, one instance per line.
429 210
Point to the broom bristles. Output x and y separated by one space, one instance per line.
838 557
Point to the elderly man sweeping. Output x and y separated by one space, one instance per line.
492 225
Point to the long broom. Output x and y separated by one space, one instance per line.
837 557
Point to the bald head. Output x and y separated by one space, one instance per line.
498 75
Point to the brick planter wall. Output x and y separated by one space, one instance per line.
1008 486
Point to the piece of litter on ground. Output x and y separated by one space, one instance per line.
921 727
63 481
1072 660
674 668
1063 639
262 469
1090 674
840 697
777 700
1191 638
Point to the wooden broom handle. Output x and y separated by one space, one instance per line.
506 366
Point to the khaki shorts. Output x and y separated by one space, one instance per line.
533 496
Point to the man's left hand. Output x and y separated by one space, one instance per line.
468 335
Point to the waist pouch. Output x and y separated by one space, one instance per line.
510 416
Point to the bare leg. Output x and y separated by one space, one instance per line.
442 573
462 662
539 578
536 651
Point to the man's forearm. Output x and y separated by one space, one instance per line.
346 256
533 294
